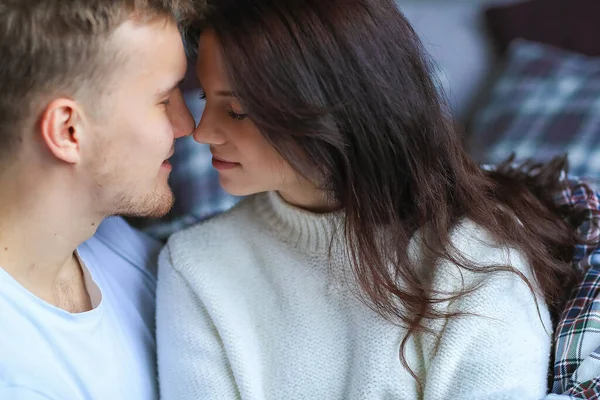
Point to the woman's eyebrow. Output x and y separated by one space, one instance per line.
225 93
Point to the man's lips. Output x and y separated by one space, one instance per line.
166 162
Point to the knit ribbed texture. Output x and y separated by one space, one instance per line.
249 308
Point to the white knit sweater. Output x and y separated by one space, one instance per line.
250 306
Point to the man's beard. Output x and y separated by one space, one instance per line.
126 198
153 205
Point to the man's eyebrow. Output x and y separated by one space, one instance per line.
164 92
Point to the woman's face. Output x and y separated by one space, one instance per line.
246 161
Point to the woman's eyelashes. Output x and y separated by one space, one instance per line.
234 115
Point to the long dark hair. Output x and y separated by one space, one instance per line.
347 81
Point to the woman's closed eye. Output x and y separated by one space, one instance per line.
238 116
234 115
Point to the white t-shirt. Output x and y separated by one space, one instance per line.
106 353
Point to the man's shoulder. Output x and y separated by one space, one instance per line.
17 392
115 239
116 233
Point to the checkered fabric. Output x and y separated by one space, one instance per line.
577 339
545 102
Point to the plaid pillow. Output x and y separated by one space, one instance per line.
546 102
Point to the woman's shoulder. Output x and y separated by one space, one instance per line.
227 232
477 243
474 245
485 279
224 253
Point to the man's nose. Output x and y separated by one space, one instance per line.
179 115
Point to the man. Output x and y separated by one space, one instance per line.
89 112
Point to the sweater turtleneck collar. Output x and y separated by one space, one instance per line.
309 231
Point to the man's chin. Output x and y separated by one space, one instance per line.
155 206
157 212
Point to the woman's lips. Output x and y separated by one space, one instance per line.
222 164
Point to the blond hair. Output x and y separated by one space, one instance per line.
61 48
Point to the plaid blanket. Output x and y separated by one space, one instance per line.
577 339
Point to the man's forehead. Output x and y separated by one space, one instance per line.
152 51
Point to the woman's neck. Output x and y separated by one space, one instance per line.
309 197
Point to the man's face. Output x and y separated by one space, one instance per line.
140 120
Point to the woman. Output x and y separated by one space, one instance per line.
374 259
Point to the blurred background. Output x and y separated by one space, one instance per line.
519 76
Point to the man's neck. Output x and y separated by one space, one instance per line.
40 228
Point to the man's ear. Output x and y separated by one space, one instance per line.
62 129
